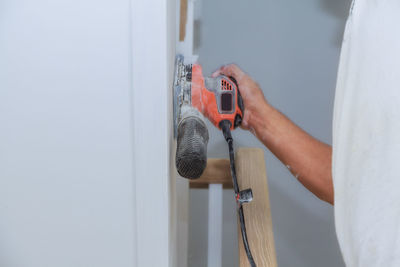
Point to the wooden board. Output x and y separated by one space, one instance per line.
183 20
216 172
251 172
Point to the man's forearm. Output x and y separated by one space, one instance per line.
307 158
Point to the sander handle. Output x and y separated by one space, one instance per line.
238 118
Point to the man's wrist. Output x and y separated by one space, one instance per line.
260 119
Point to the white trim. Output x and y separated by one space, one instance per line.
184 48
152 51
215 225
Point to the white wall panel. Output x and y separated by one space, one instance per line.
70 80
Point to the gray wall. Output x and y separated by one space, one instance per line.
291 48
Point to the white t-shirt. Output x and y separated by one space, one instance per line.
366 136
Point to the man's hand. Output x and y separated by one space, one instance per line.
308 159
253 97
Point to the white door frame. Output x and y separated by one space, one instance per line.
153 53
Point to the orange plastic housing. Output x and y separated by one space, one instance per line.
206 102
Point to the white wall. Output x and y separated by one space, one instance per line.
68 194
292 49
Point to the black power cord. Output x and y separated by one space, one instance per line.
241 196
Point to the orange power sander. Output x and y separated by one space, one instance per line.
219 100
195 95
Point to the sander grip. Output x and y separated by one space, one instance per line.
240 103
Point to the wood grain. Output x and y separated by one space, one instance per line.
251 173
216 172
183 20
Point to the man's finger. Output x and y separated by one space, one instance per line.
229 70
216 73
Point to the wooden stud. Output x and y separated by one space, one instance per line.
251 173
216 172
183 20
